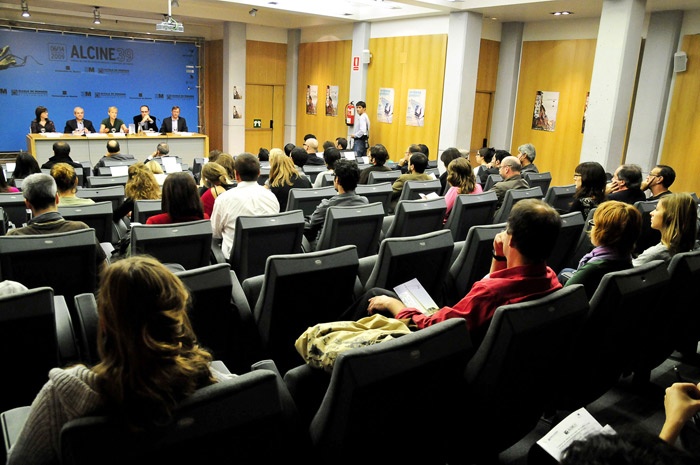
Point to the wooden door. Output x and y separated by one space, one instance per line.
259 101
481 127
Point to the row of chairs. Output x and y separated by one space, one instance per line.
561 351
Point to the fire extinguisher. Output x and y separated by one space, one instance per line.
350 114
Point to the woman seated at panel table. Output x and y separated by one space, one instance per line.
41 123
112 123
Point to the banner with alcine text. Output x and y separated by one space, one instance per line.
61 71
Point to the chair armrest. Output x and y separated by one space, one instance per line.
65 333
217 255
365 269
267 364
251 288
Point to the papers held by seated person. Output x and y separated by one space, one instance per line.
414 295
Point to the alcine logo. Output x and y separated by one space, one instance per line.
57 52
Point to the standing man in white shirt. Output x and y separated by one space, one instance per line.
361 130
247 198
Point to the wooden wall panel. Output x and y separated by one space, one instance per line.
213 83
488 66
266 63
563 66
682 137
403 63
323 64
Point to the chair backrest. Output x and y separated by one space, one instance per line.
492 179
383 176
114 194
470 210
27 330
473 261
307 199
572 225
583 245
425 257
227 331
412 189
63 261
3 224
327 179
188 243
144 209
14 206
324 282
377 192
648 236
560 197
684 269
615 331
252 414
257 237
87 326
429 361
359 225
107 181
113 162
264 175
312 170
524 346
513 196
97 215
415 217
543 180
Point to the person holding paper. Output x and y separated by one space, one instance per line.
519 272
79 125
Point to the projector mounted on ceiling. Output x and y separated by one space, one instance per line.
169 23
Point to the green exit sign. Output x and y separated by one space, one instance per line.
257 123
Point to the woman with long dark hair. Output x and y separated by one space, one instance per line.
180 201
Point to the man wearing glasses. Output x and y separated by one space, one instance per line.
658 181
509 169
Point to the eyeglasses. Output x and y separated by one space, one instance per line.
652 175
591 223
576 175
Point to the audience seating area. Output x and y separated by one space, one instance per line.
557 353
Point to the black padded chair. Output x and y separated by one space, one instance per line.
327 180
98 216
684 269
377 192
425 257
307 199
264 175
3 223
648 236
583 245
423 363
472 263
144 209
325 278
88 319
470 210
359 225
376 177
572 226
188 243
415 217
228 331
513 196
106 181
412 190
114 194
257 237
543 180
560 197
492 179
14 206
312 171
525 345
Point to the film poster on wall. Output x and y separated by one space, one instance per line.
311 99
544 115
385 107
415 109
331 100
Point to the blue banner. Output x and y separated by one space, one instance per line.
62 70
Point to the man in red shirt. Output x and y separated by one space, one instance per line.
518 272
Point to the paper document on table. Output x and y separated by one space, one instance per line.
577 426
119 170
414 295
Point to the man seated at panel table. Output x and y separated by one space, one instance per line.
174 123
145 121
79 125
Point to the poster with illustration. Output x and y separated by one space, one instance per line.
331 100
311 99
237 94
237 113
544 115
415 110
385 107
585 110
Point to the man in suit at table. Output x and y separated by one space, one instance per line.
174 123
79 126
144 121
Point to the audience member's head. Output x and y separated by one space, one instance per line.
65 177
486 153
311 145
330 156
378 155
328 144
141 183
630 175
214 174
461 175
309 136
39 190
347 173
590 181
509 167
424 149
617 225
247 167
155 167
214 154
263 154
451 153
25 164
299 156
288 148
418 162
528 150
180 197
162 149
282 170
113 147
341 143
61 149
533 226
226 160
499 155
676 216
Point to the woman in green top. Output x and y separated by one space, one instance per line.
113 124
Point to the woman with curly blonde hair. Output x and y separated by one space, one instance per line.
150 361
67 185
141 185
283 177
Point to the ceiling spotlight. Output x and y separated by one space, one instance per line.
25 9
561 13
96 15
174 3
253 11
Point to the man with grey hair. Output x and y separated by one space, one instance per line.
510 172
41 197
526 157
162 150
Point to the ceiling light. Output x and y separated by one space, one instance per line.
253 11
25 9
174 3
561 13
96 15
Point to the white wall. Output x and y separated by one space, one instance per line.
566 29
266 34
